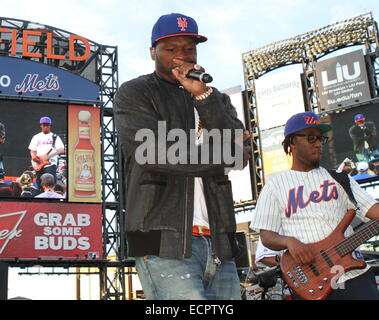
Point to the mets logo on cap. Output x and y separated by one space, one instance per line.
45 120
182 23
359 117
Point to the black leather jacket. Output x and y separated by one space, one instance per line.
160 197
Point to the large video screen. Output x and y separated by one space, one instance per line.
354 141
50 151
50 180
22 121
24 134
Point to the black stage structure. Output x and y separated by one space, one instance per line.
101 67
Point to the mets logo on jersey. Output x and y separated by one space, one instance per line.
182 24
296 198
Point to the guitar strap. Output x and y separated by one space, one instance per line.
54 138
53 145
343 179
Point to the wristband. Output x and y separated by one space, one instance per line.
204 95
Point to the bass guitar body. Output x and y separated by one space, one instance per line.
38 166
316 281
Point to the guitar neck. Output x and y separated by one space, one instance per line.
369 230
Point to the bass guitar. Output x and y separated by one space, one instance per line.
39 164
315 281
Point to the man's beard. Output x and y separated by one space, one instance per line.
315 164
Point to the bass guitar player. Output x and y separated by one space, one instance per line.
44 150
313 210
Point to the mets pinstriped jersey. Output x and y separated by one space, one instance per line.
308 206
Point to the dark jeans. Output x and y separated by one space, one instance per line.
196 278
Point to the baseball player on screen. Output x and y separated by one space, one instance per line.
364 137
44 150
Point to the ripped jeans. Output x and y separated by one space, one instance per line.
200 277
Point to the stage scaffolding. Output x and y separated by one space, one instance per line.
101 67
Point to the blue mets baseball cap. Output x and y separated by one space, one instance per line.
304 120
174 25
46 120
359 117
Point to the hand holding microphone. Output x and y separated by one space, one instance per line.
191 76
199 75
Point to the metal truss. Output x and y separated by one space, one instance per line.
255 163
100 67
112 275
305 49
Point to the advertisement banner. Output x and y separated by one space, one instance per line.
274 158
342 81
20 77
279 96
84 166
50 230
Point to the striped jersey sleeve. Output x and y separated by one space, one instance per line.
267 212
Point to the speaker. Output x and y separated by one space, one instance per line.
243 260
3 281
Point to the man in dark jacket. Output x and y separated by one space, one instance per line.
363 132
180 219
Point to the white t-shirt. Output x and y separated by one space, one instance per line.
49 194
264 252
42 144
200 217
308 206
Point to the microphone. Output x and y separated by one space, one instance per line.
200 76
